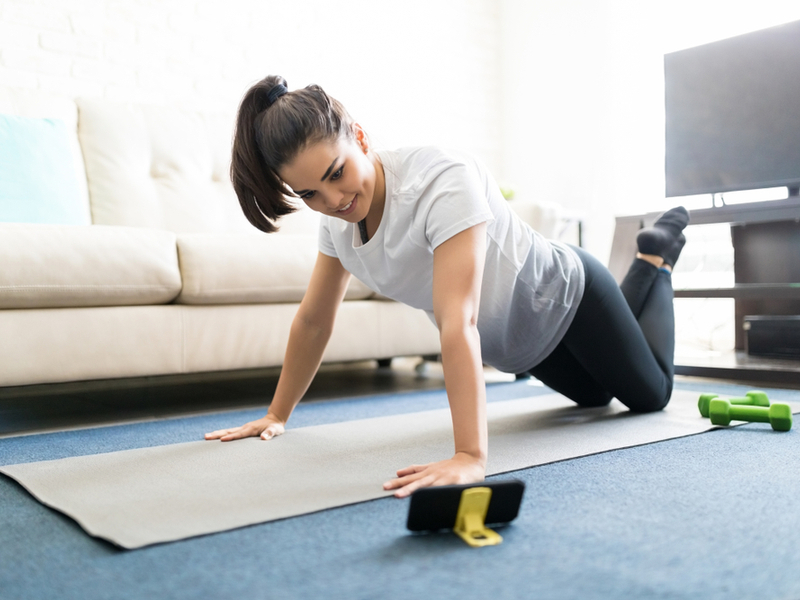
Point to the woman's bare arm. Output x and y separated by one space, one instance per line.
457 276
311 329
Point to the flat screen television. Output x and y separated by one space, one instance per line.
733 114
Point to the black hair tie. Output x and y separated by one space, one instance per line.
276 92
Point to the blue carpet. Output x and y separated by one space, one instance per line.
708 516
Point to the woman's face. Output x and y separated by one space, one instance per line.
336 178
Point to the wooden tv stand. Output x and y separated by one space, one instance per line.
766 246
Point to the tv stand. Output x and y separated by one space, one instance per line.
766 245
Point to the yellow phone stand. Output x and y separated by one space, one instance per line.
471 518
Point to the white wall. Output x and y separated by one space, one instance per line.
583 101
412 72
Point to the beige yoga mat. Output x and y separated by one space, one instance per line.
139 497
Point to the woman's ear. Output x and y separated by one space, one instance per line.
361 137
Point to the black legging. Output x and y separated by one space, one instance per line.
621 342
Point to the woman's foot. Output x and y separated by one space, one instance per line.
665 237
671 255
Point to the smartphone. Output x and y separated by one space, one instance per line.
435 508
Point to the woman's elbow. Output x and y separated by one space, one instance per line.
465 325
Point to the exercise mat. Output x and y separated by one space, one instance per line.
135 498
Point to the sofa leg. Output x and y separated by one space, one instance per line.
384 362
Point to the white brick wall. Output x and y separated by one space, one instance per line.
412 72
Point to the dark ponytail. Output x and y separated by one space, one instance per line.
273 125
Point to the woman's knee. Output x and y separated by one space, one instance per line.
648 402
593 400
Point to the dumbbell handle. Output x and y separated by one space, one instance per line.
757 414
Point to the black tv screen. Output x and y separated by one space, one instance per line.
733 114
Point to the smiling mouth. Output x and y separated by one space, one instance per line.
346 209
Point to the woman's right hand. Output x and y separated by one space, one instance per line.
267 427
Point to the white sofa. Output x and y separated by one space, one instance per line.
166 276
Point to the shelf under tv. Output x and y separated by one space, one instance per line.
744 290
740 366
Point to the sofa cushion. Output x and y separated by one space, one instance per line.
42 105
249 268
158 167
37 181
73 266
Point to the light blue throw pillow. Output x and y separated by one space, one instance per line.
37 174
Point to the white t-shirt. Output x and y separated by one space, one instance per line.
531 286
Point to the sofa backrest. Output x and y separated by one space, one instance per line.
163 168
34 104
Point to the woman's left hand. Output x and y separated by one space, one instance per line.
462 468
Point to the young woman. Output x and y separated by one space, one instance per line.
430 228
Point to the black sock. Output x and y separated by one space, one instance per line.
665 237
674 220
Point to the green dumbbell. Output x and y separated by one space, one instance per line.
753 398
777 415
